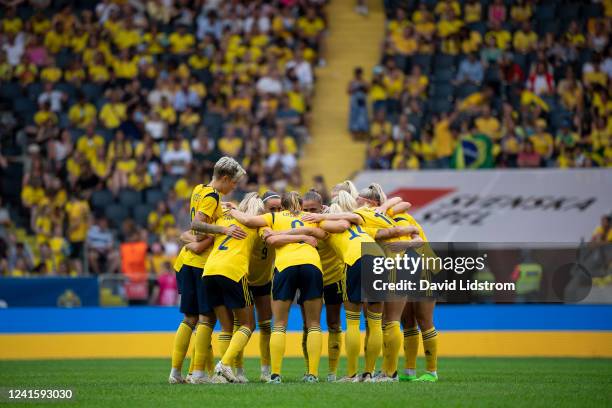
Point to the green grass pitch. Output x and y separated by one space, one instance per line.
463 382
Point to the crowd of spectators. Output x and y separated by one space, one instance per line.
532 76
113 110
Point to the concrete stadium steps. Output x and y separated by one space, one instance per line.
353 40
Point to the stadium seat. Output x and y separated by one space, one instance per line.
101 199
34 90
443 61
10 90
440 105
441 90
592 10
443 75
24 105
464 90
66 88
167 183
130 198
548 26
91 91
424 61
569 11
141 214
545 12
153 196
116 214
479 26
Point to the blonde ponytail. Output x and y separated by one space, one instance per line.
348 186
345 201
251 204
292 202
374 192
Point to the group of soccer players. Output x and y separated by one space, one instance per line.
258 256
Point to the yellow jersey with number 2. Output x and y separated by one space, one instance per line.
229 256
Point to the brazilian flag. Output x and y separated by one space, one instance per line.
473 152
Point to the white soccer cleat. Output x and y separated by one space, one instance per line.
353 379
225 371
198 380
176 379
366 378
385 378
264 377
241 378
218 379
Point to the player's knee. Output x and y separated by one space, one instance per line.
191 320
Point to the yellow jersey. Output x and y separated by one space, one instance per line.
206 200
373 219
347 244
331 261
261 265
178 262
294 253
229 256
406 220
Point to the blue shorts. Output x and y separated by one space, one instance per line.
352 289
307 278
333 294
189 281
263 290
223 291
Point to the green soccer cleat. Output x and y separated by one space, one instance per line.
407 378
427 377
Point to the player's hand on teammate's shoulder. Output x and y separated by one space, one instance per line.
313 217
229 205
235 231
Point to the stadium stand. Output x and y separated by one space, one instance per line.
113 110
473 84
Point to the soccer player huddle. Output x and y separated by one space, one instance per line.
253 259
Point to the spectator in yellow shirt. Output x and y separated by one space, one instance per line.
161 218
181 42
502 37
543 143
56 39
82 114
11 23
79 218
51 73
449 24
230 144
472 11
521 11
166 111
525 39
405 42
124 67
488 124
603 232
113 112
89 143
282 138
45 117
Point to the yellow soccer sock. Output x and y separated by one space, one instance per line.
314 342
394 343
352 339
237 344
334 346
224 341
277 348
430 345
385 347
210 361
264 342
411 349
239 361
375 340
181 344
192 359
304 347
202 345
